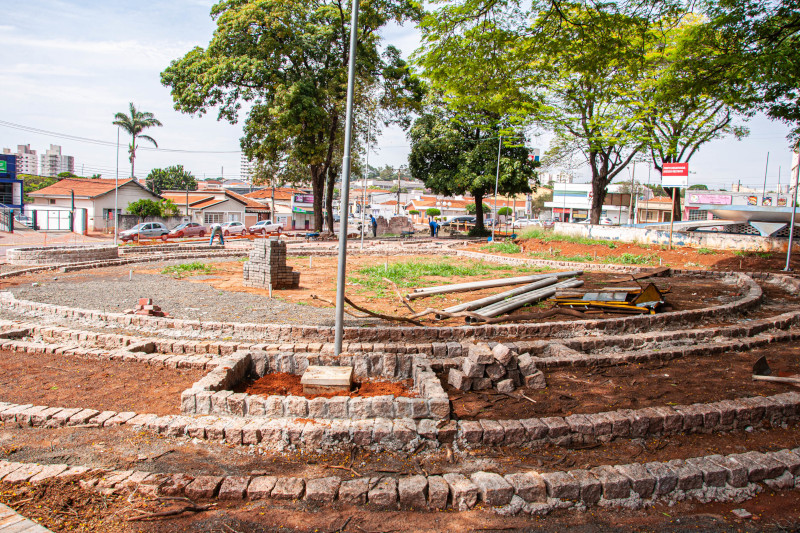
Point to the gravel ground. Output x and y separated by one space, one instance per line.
111 290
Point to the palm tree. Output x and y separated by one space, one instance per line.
135 124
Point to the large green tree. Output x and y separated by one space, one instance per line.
286 61
452 156
134 124
171 178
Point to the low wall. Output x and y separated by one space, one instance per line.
128 221
57 255
713 240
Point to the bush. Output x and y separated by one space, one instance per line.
433 212
144 208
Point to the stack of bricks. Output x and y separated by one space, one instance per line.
497 368
146 308
267 266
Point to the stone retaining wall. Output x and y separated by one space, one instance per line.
732 477
55 255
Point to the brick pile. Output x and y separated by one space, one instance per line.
267 266
497 368
146 308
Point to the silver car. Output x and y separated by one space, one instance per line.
144 230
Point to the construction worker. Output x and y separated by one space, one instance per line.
216 229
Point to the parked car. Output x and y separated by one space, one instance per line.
458 221
548 223
265 226
144 230
605 221
234 227
187 229
525 222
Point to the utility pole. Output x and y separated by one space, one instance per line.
794 211
496 182
630 207
364 195
764 190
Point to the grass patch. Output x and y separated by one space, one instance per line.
633 259
624 259
179 271
706 251
505 247
413 274
747 253
549 236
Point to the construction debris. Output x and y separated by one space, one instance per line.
473 285
146 308
496 368
636 301
515 302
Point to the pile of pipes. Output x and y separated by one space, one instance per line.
497 368
537 288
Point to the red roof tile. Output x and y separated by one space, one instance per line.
82 187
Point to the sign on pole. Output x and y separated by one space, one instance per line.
675 175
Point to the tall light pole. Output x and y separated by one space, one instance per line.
364 196
116 193
340 275
794 211
496 182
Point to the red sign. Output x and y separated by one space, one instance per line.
675 169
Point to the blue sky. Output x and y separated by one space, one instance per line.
68 66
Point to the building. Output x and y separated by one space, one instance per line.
246 168
95 196
11 187
27 161
572 202
211 207
654 210
53 163
282 198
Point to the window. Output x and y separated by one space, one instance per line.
234 217
212 218
51 201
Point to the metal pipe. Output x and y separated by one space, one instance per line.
502 282
523 299
475 304
503 303
345 199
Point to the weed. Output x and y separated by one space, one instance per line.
546 236
185 269
748 253
706 251
632 259
505 247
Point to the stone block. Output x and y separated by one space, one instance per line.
507 386
495 371
666 479
580 425
689 477
480 354
470 431
502 354
458 380
354 491
735 473
615 485
620 424
642 482
296 406
472 369
526 364
383 493
322 490
529 486
260 487
203 487
772 467
481 383
288 488
234 488
464 492
713 474
789 459
562 486
438 491
591 488
535 429
337 407
176 485
535 380
556 427
514 432
493 433
493 489
412 491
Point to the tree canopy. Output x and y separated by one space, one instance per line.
287 61
171 178
453 156
134 124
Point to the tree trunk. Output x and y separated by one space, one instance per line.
479 211
599 185
329 186
317 188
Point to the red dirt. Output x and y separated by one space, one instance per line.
60 381
635 386
285 384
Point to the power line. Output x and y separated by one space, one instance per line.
99 142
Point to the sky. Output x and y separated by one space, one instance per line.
68 66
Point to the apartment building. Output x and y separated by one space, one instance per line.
27 162
53 162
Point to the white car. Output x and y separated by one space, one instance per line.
605 221
525 222
232 228
265 226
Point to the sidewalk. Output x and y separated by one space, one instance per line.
29 237
16 523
